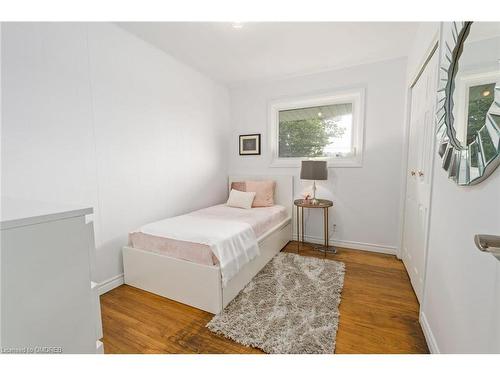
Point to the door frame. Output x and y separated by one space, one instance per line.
430 51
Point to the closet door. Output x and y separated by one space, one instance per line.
423 97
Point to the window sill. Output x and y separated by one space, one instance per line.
297 162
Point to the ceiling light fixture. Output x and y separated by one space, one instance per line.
320 114
486 93
237 25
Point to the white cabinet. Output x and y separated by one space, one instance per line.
49 302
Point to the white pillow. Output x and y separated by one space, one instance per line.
240 199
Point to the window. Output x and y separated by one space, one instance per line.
473 96
326 128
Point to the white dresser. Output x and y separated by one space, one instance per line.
49 301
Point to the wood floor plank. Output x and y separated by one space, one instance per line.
378 314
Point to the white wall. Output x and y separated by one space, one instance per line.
461 304
94 115
462 289
366 200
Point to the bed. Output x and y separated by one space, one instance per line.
188 272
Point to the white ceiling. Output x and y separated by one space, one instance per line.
273 50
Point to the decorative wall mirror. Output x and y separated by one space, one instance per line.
468 112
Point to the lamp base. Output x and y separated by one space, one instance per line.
314 200
325 249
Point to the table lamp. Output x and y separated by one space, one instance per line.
315 170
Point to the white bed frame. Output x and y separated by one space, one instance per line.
201 285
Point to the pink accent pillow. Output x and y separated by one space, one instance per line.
238 185
264 192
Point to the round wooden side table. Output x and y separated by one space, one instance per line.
325 205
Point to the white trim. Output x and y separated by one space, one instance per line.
404 169
433 166
433 47
429 336
355 96
99 347
111 283
375 248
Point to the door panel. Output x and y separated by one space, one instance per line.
423 94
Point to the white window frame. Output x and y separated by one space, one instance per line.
355 96
463 85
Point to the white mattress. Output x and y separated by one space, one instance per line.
261 219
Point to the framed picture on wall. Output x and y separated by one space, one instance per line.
250 144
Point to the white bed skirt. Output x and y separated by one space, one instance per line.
195 284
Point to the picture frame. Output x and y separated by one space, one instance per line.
249 144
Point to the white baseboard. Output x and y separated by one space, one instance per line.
429 337
352 245
111 283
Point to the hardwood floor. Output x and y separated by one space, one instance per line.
378 314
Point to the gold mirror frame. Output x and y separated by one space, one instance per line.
466 165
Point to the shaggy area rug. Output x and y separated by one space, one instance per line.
290 306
